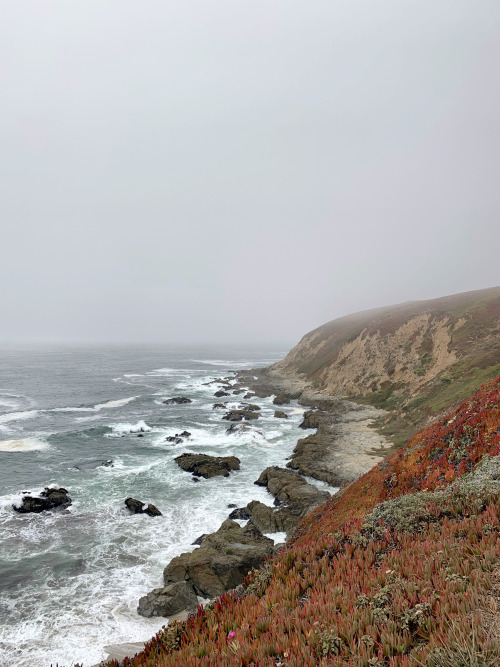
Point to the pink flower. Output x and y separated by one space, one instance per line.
232 634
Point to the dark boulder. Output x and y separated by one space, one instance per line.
281 399
220 393
184 434
290 487
279 414
250 406
107 464
239 415
168 600
218 406
249 395
203 465
240 513
222 561
50 498
137 507
178 400
174 438
238 391
242 427
199 539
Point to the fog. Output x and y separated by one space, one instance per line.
234 171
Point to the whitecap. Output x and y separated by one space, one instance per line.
17 416
124 428
133 375
100 406
224 362
23 445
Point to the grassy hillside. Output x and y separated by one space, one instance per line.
398 568
415 359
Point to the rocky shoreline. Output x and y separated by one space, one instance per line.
339 451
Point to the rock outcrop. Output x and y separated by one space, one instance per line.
203 465
50 498
168 600
239 415
279 414
137 507
293 494
177 400
222 561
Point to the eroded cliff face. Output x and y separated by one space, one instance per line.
416 358
414 353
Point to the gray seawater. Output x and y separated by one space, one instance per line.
70 581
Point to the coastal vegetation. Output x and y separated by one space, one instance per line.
401 567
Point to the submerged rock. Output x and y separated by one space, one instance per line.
137 507
243 427
218 406
179 400
50 498
203 465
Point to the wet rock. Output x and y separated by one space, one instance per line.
239 415
195 479
279 414
231 505
184 434
50 498
250 406
203 465
217 406
168 600
140 435
249 394
238 391
222 561
243 427
108 464
137 507
199 539
174 438
240 513
178 400
220 393
281 399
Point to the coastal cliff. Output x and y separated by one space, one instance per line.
415 360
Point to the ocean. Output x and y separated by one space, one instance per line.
70 580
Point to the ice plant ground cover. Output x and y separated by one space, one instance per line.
396 569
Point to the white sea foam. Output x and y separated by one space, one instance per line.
124 428
16 416
23 445
224 362
100 406
277 537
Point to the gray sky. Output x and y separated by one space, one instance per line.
227 170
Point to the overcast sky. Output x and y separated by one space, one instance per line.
242 171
